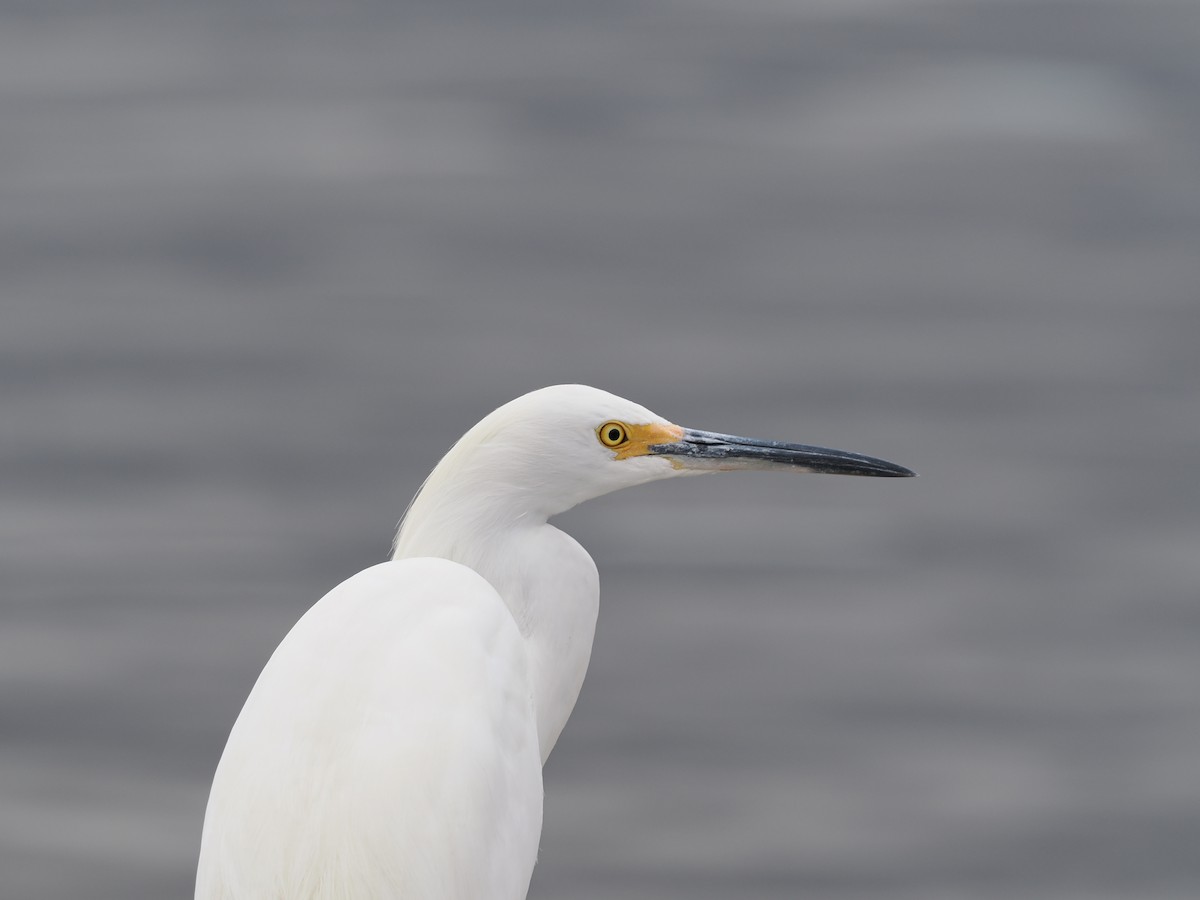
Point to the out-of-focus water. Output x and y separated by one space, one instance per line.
260 263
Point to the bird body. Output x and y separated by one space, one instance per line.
391 749
388 750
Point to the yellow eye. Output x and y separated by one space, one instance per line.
613 434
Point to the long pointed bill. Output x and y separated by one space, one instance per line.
708 451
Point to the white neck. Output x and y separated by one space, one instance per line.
545 577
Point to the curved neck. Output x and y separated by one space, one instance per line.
546 579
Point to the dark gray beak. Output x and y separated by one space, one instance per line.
706 450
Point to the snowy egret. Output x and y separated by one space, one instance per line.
392 747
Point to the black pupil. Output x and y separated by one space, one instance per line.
614 434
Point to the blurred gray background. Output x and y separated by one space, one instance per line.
262 262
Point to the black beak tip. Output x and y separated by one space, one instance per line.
837 462
880 469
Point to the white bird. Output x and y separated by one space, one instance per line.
392 748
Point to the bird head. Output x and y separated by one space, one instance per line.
553 448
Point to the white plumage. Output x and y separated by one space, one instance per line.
392 747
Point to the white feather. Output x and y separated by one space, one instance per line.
388 750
